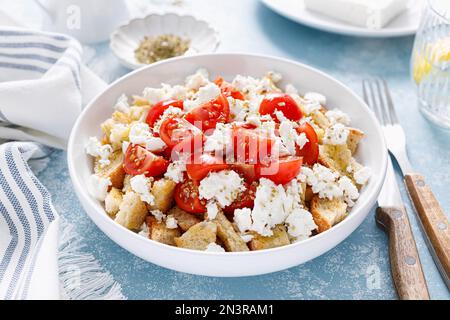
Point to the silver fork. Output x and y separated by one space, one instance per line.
434 221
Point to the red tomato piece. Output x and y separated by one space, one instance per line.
310 151
228 90
175 130
187 197
202 165
139 160
158 109
246 170
208 115
281 102
251 147
280 171
245 200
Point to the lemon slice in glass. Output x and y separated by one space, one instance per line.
435 54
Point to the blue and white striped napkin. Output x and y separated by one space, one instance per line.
43 87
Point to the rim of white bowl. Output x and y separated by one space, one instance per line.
136 65
365 206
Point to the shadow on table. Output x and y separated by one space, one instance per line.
328 51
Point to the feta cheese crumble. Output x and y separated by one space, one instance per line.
223 187
98 187
362 175
211 210
316 97
337 134
337 116
122 104
214 247
243 219
220 140
171 222
141 185
197 80
175 171
96 149
300 224
158 214
204 94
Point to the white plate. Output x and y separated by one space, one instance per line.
405 24
372 152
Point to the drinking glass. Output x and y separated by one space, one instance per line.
430 62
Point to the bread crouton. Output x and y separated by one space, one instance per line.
158 231
198 237
279 238
113 201
185 220
132 211
354 137
336 158
114 171
327 213
232 241
163 190
127 183
320 118
120 117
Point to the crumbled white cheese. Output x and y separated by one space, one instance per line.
337 116
197 80
280 116
322 180
141 185
171 222
362 175
316 97
158 214
337 134
290 89
96 149
274 76
268 209
154 95
212 210
239 109
204 94
176 170
288 136
140 133
145 231
98 187
220 140
223 187
301 140
122 104
119 133
243 219
300 224
349 190
155 144
214 247
247 237
311 107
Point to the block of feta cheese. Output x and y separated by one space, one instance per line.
372 14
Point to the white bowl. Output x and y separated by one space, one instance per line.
125 40
372 152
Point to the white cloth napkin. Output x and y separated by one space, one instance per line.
43 87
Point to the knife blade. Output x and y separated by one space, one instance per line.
392 217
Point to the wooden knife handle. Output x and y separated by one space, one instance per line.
434 220
406 268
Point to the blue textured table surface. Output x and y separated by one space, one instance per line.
356 269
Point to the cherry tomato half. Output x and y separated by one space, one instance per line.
245 199
202 165
139 160
250 146
310 151
281 102
175 130
208 115
187 197
158 109
280 171
228 90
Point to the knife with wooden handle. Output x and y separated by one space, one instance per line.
434 221
392 217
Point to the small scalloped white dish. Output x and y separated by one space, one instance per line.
372 152
125 40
